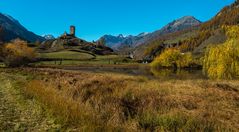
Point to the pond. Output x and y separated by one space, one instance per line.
145 71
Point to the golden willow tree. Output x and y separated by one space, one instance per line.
173 58
222 61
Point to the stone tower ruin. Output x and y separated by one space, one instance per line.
72 30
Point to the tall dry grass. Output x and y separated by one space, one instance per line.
106 102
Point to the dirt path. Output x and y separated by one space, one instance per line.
18 113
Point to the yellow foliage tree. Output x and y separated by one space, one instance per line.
17 53
173 58
222 61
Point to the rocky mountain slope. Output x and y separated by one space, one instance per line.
10 29
179 25
183 23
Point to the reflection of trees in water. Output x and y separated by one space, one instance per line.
161 73
177 74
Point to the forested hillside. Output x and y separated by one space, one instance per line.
193 40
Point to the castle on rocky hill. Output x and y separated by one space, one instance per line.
71 35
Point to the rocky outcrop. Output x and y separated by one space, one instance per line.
73 43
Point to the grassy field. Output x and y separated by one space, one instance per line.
106 102
77 63
18 113
75 58
67 55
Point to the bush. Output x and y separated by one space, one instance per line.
173 58
221 62
17 53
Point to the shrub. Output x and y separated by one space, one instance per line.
17 53
173 58
221 61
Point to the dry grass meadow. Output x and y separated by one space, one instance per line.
106 102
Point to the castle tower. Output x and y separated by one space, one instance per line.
72 30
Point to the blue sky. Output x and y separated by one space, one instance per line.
94 18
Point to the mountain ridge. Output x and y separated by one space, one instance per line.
180 24
11 29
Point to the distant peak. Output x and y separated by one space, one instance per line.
48 36
188 21
189 18
121 36
143 34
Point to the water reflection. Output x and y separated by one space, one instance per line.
146 71
177 74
